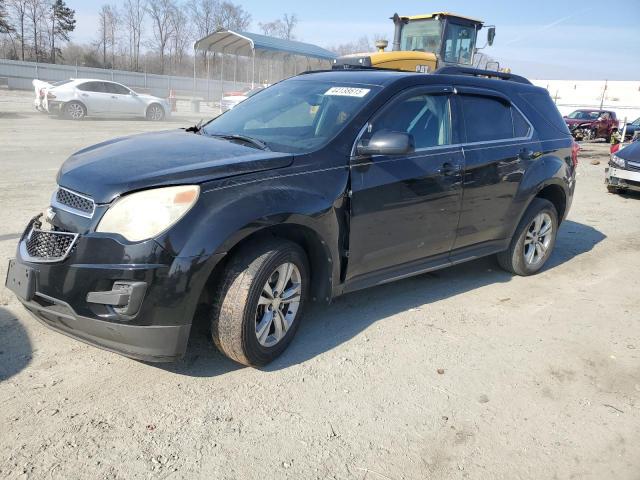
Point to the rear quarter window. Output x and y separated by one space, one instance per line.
541 103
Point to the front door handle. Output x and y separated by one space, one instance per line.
85 94
447 169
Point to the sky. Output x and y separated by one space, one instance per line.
545 39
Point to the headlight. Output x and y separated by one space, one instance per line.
618 161
143 215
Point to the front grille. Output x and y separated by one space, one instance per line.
48 246
74 201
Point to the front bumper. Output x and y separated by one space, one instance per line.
621 178
143 342
157 331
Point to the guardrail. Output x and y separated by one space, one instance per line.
19 75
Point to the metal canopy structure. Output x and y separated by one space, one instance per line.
246 44
252 45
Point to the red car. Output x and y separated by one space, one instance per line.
589 124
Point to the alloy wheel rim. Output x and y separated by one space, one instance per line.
537 239
278 304
75 111
155 113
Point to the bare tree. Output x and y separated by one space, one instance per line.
203 17
5 26
134 13
107 27
19 8
362 45
232 17
160 12
35 14
289 23
281 27
182 35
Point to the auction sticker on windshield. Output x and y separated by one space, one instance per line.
348 91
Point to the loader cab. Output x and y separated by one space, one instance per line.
423 43
452 38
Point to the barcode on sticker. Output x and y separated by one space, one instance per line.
347 91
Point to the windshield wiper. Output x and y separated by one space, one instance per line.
243 138
196 128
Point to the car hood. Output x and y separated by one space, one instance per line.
109 169
630 152
577 121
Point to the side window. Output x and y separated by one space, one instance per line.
91 87
486 118
426 117
521 127
115 88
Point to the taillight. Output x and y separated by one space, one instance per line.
575 148
42 93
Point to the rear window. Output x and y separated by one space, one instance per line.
486 119
542 104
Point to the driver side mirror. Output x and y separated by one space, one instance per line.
387 143
491 35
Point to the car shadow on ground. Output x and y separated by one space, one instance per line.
15 346
325 327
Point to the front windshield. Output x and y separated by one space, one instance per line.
421 35
459 42
582 115
294 116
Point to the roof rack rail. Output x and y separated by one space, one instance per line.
476 72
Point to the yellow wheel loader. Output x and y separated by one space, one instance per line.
424 43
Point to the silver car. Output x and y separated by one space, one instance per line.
78 98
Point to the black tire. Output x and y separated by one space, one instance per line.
235 312
155 113
612 189
74 110
513 259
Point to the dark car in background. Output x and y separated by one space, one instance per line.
631 129
589 124
322 184
623 171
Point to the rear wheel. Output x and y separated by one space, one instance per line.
74 111
259 301
612 189
533 241
155 113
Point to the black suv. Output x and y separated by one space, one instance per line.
322 184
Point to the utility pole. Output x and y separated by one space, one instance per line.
604 91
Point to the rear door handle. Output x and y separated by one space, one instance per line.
447 169
113 96
85 94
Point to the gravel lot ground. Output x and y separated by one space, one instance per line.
541 375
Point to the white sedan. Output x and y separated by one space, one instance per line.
78 98
231 99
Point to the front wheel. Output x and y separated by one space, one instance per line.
533 240
259 301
